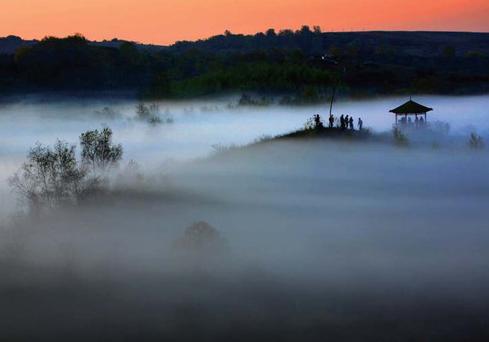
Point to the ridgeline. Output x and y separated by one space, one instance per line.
301 66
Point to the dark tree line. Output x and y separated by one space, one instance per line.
305 62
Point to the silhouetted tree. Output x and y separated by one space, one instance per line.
271 33
50 176
98 151
200 238
53 175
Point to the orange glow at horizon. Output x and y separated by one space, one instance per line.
166 21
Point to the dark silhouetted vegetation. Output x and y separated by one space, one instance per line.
151 114
98 151
201 246
476 141
302 66
53 176
50 176
400 139
201 236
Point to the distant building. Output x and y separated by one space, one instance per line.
411 108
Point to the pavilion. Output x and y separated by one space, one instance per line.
411 108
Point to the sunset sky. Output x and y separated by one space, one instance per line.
165 21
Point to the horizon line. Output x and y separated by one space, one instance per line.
239 34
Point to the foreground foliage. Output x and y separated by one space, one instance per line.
52 176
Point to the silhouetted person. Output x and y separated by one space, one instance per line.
360 124
331 120
317 121
416 122
351 123
342 121
421 121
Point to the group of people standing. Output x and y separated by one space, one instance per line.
345 122
418 122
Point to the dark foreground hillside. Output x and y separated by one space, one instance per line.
304 64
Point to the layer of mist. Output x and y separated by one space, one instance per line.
316 240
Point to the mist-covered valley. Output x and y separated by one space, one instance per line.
281 240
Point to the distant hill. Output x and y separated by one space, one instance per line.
420 44
10 44
116 43
302 66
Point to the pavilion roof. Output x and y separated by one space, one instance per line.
411 107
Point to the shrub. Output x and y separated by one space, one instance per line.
151 114
313 123
201 237
201 248
310 124
476 141
262 139
248 100
400 139
220 148
108 112
440 127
